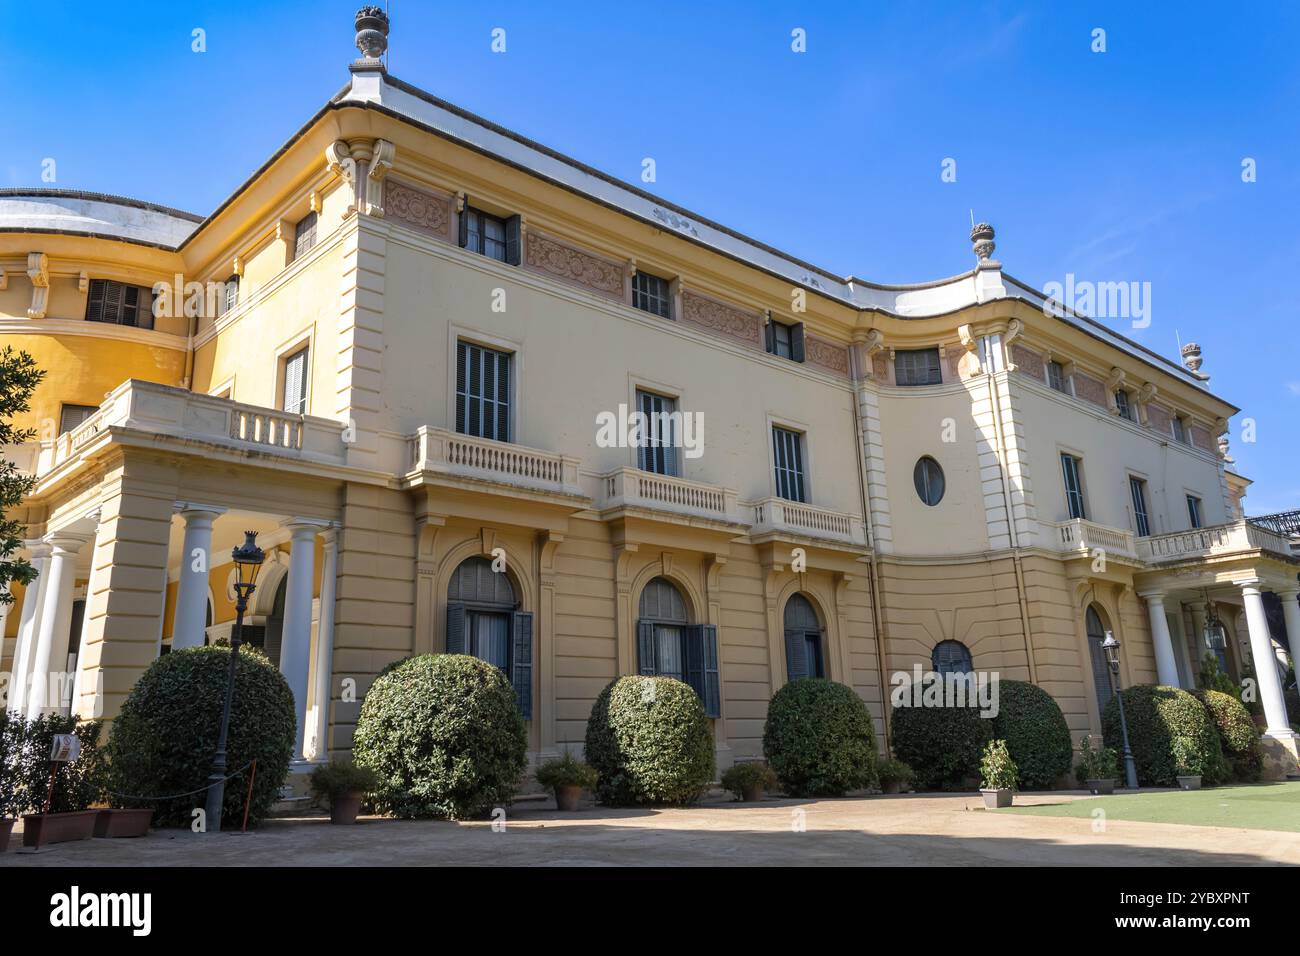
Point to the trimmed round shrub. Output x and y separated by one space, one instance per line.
1238 735
164 739
444 734
650 742
943 745
1166 724
1035 731
818 739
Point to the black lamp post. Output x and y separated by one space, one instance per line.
1111 647
248 558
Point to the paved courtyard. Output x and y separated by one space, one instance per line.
951 830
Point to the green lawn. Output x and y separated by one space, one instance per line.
1261 806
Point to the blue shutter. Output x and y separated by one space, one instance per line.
456 628
796 655
521 661
694 669
769 336
514 248
796 342
645 649
462 235
712 679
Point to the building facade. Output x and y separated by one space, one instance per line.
409 352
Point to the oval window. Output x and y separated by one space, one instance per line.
928 477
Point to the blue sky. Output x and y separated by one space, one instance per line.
1117 166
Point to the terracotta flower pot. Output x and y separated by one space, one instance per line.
566 798
123 823
891 786
1102 788
345 807
42 829
996 799
752 793
6 828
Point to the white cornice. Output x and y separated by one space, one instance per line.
98 330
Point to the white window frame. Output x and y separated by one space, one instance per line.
304 340
472 336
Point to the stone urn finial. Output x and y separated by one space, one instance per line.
1192 356
981 238
372 33
1223 450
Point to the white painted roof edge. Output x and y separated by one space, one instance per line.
91 214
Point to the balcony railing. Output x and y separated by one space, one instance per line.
1216 541
446 452
793 517
632 488
178 413
1084 537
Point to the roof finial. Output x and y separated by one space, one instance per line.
981 237
372 38
1192 359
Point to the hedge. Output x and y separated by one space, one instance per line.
650 742
25 765
1035 731
1157 717
164 739
943 745
444 734
818 739
1238 735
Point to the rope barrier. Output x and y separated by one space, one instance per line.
187 793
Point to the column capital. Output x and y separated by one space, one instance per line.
1250 585
66 542
1152 595
1288 593
301 528
189 509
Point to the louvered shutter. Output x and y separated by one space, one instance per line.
514 244
456 628
95 301
112 302
796 655
1100 673
295 383
712 695
521 661
462 236
645 649
796 342
769 337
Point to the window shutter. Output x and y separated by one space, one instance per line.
769 337
796 342
712 695
645 649
514 247
456 628
463 236
295 383
95 301
694 669
521 661
796 655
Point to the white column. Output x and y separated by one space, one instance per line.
325 644
192 588
1291 615
1261 651
85 627
51 654
28 623
295 646
1166 668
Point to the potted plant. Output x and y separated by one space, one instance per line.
345 785
114 822
568 777
895 776
1098 769
749 780
10 740
998 775
1186 764
66 796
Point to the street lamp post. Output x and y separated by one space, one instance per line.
1111 647
248 558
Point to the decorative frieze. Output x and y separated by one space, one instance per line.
563 261
1200 437
1028 362
417 208
880 367
723 319
1159 418
826 355
1089 389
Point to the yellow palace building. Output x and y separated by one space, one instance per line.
409 352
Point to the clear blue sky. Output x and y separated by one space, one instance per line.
1115 166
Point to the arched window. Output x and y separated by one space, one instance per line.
951 657
668 645
1101 684
803 640
483 621
928 478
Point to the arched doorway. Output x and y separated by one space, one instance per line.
804 654
669 645
484 621
1096 628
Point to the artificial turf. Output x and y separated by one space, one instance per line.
1260 806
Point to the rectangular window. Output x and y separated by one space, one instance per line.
1137 489
295 383
73 415
1194 511
1071 468
485 234
785 340
482 392
917 367
1056 377
120 304
787 447
651 294
1179 428
1122 405
658 449
230 294
304 234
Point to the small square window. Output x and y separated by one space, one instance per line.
1179 427
917 367
651 294
485 234
73 415
1194 511
304 234
1056 377
1123 406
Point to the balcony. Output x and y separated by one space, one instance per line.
161 410
1218 541
779 516
1082 538
632 488
437 451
